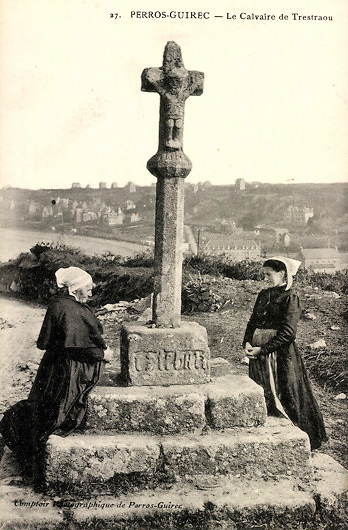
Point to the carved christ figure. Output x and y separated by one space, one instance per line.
174 84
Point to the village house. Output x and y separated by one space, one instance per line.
130 187
78 215
89 216
113 218
236 248
73 207
298 215
240 184
280 235
34 208
322 259
47 212
135 217
130 205
64 202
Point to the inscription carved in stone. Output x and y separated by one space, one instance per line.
166 360
152 356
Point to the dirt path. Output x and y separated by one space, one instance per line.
20 324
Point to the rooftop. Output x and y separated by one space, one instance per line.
320 253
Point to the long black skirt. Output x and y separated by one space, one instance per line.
57 403
287 389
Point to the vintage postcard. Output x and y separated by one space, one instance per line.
111 109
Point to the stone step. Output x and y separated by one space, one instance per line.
234 503
207 503
82 462
230 401
330 484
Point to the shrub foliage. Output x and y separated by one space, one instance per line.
31 275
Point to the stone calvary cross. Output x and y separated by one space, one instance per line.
168 351
170 165
209 432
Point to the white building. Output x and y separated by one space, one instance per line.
240 184
237 249
113 218
299 215
322 259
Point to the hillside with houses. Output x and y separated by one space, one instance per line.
242 220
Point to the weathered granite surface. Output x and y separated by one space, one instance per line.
276 449
272 451
171 356
330 482
201 503
160 410
237 501
234 401
23 509
97 458
168 251
183 506
230 401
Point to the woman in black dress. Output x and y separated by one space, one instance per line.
70 368
274 360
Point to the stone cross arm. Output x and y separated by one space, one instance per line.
154 80
197 81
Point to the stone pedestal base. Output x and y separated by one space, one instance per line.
164 356
272 451
227 402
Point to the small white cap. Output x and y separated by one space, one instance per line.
73 278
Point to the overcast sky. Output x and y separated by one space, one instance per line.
274 107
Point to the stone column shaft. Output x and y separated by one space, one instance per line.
168 252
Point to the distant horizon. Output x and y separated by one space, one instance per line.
108 186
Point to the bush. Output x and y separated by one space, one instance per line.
252 270
337 282
124 283
225 266
143 259
32 275
328 368
204 264
198 295
243 270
